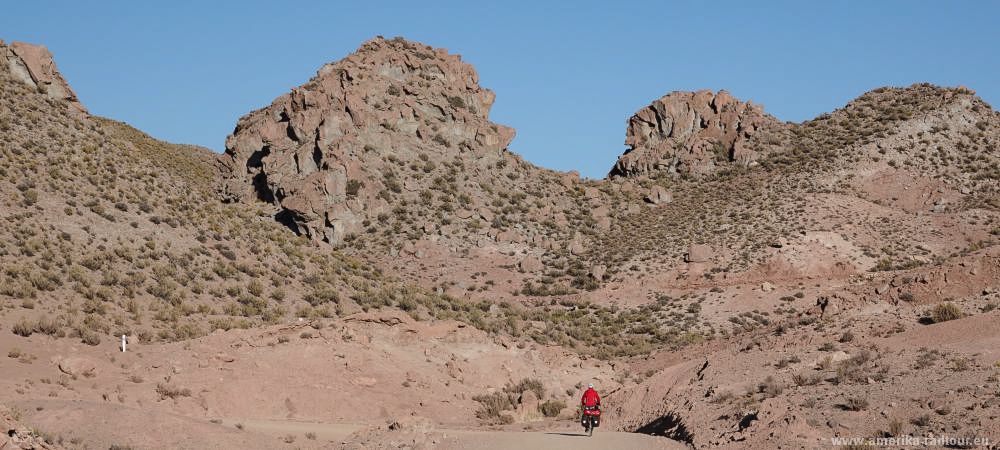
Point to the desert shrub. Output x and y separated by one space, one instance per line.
944 312
926 358
856 404
456 102
166 391
30 197
784 362
921 420
354 186
551 408
960 364
23 328
90 338
44 325
439 139
770 387
527 384
255 288
855 369
802 379
491 406
322 296
895 428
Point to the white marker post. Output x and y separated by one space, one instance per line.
124 341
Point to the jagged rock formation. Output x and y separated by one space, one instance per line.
327 151
692 132
34 66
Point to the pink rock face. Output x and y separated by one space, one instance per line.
33 65
692 132
327 153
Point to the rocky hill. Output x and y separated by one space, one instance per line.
112 232
921 149
328 152
389 154
108 232
694 133
391 151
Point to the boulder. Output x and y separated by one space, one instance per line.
658 195
508 237
568 179
77 365
698 253
766 286
527 407
528 400
597 272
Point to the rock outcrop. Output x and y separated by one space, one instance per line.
329 152
692 132
34 66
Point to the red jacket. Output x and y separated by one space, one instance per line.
590 398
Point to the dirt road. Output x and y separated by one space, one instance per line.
559 439
103 424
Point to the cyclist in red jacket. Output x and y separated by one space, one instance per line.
591 406
590 397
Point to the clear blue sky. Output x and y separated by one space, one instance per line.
567 74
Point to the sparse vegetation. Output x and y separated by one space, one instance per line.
856 404
552 408
172 392
944 312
